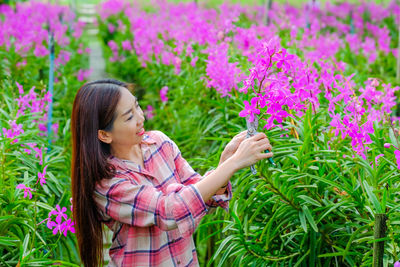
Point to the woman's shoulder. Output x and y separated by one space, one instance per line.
157 136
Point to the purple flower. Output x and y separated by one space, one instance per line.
83 74
397 154
163 94
386 145
16 129
126 45
66 226
113 45
396 264
60 212
149 112
250 110
377 157
282 59
60 226
41 176
27 190
221 74
39 154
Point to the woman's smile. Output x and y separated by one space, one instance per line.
141 132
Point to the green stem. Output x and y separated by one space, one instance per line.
34 219
3 178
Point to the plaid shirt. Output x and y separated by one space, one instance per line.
154 211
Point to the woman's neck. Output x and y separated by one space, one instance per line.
133 154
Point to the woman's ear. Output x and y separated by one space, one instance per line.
104 136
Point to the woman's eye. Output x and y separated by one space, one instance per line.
129 118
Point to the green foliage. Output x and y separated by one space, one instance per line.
23 238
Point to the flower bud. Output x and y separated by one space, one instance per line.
387 145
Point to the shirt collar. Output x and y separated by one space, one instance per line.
126 164
147 139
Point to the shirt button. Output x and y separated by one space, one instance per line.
179 262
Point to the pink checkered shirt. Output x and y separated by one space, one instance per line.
154 211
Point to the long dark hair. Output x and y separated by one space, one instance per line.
94 109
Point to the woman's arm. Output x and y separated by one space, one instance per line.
248 152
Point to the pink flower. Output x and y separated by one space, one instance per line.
39 154
126 45
163 94
397 154
377 157
41 176
111 28
16 129
282 59
60 212
66 226
27 190
113 45
250 110
83 74
149 112
386 145
396 264
20 88
60 226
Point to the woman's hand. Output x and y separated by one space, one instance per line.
232 146
252 150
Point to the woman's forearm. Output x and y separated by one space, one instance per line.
213 182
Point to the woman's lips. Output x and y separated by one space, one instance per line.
141 132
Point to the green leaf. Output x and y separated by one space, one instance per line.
8 241
310 218
310 200
303 220
372 197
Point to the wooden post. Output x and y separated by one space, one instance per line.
267 9
379 232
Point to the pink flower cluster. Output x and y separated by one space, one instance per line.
286 76
25 28
37 106
16 129
222 75
163 94
61 224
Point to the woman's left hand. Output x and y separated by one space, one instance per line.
232 146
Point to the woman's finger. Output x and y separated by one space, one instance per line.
239 135
266 146
258 136
267 155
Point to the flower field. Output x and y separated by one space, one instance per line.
322 79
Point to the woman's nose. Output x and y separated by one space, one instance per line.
141 116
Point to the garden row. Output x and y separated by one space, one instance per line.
43 62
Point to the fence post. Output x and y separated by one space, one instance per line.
266 14
379 232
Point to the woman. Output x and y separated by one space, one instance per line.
138 184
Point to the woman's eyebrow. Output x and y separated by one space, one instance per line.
129 110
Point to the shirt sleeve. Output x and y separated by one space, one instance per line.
190 177
181 206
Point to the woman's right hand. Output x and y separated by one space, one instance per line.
251 150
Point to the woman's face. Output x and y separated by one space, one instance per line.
128 127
